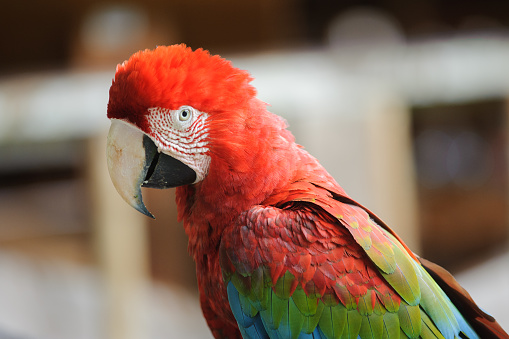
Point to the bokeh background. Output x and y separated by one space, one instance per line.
405 103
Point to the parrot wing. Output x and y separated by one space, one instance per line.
484 324
318 267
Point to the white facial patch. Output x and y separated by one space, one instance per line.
181 134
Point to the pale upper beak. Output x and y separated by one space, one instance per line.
134 161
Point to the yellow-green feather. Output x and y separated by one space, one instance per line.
295 320
283 285
429 330
391 329
311 322
364 304
333 321
410 319
404 278
353 325
372 326
306 305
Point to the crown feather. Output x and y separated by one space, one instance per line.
172 76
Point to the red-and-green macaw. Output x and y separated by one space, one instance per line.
281 250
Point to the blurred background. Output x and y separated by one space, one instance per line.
405 103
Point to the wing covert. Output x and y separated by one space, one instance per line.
301 273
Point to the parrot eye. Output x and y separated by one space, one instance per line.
185 113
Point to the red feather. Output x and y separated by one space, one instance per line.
265 203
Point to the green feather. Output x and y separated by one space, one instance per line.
284 284
286 317
404 278
410 319
311 322
389 303
381 253
246 306
272 314
295 319
391 328
364 304
329 299
258 290
241 283
349 300
306 305
279 307
429 330
371 327
426 333
437 305
379 309
362 238
333 321
264 302
353 325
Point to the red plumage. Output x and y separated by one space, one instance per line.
170 77
266 207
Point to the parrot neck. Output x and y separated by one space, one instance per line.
244 171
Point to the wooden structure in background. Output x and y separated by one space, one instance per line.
121 245
462 161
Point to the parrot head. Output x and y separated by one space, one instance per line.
179 117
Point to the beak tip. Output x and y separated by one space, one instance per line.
140 207
148 214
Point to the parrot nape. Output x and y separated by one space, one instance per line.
281 250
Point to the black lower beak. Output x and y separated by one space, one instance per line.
163 170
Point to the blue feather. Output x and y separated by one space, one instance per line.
233 297
313 335
250 327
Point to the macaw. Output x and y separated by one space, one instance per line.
281 250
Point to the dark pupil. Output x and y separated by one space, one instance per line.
184 114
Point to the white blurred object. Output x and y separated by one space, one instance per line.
56 300
110 33
364 26
114 27
53 107
488 284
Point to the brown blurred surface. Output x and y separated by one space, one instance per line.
46 34
462 191
169 260
47 220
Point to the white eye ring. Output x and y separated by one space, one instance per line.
185 113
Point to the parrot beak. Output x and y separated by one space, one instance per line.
134 161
